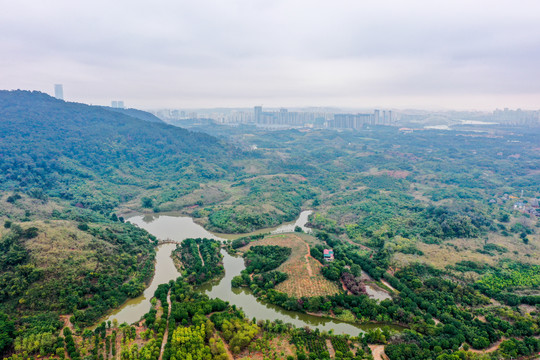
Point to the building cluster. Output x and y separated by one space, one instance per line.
283 118
520 203
329 118
357 121
117 104
286 117
530 207
517 117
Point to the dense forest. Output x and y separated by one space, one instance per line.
260 260
200 259
98 158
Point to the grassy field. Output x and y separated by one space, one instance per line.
305 278
61 241
456 250
25 208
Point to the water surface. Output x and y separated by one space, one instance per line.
254 308
179 228
133 309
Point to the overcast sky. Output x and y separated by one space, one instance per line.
463 54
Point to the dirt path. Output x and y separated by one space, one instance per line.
378 352
226 346
331 350
67 323
388 285
218 336
303 270
166 334
66 319
344 287
364 247
199 250
308 255
159 308
490 349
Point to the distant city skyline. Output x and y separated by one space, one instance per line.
421 54
339 119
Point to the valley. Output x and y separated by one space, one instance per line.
442 223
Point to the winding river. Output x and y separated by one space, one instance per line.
178 228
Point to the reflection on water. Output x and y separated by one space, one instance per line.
135 308
373 290
285 227
377 293
289 227
178 228
254 308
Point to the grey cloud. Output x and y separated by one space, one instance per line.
177 53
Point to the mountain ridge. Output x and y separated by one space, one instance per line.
66 148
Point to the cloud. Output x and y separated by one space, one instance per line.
237 52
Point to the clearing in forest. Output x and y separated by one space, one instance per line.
304 272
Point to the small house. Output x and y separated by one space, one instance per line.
328 254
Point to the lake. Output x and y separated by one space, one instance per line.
178 228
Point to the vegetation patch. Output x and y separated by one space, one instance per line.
304 276
511 275
56 267
200 259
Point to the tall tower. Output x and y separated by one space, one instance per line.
59 91
283 116
257 110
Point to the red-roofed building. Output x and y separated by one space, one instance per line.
328 254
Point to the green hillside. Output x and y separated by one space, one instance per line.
65 167
97 158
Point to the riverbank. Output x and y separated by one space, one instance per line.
288 226
178 228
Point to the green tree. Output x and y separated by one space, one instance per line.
147 202
6 332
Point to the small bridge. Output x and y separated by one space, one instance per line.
168 241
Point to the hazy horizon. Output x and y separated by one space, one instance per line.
389 54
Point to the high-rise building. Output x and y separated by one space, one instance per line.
257 110
117 104
283 116
59 91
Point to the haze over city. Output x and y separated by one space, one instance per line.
393 54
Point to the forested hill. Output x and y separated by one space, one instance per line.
139 114
70 150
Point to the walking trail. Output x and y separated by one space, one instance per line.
199 250
226 346
388 285
166 334
308 255
378 352
490 349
